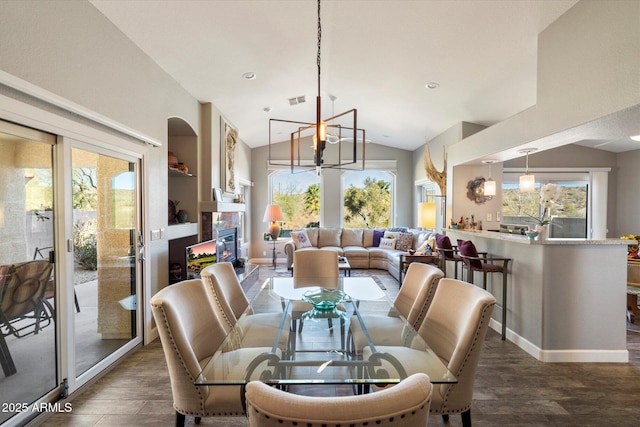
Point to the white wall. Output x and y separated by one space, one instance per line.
588 68
588 88
628 197
71 50
462 205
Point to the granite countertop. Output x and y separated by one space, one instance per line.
518 238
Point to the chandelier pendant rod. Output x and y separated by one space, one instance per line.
319 145
320 128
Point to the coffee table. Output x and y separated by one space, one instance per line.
407 258
344 266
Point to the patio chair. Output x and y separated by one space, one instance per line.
22 304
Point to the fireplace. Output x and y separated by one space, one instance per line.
227 247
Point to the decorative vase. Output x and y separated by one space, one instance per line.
173 160
542 232
175 272
182 216
172 212
182 168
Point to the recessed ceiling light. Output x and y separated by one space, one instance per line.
635 138
249 75
432 85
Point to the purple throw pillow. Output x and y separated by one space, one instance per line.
467 248
377 235
443 242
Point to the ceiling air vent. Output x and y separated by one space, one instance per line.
297 100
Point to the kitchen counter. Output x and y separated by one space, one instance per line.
518 238
566 297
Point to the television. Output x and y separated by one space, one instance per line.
199 256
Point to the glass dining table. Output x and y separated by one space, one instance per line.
319 354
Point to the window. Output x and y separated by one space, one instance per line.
568 216
367 199
299 198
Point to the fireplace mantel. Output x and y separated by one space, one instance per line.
222 207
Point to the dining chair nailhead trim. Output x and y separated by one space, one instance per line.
175 348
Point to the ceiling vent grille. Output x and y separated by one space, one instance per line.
297 100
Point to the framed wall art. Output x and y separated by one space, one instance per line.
228 143
475 191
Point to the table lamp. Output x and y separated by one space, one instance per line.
273 214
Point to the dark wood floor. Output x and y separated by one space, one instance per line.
511 389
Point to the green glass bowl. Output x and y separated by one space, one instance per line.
532 234
324 299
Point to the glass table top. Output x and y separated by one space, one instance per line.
320 353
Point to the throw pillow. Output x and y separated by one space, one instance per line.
329 237
404 242
398 229
351 237
387 243
467 248
421 238
377 235
443 241
391 234
422 249
444 244
300 239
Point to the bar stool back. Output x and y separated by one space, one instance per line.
447 252
472 262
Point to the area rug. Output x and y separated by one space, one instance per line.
354 273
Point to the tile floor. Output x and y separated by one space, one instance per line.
511 389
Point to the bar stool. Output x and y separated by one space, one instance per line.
473 262
447 253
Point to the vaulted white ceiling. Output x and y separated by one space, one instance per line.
377 57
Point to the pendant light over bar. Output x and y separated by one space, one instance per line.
308 140
527 181
489 184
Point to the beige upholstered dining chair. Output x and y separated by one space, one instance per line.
315 264
454 328
406 405
191 331
412 302
320 264
256 330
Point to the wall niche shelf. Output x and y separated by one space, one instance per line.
176 231
222 207
175 173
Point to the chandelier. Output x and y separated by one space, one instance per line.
334 139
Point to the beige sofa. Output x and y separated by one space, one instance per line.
357 245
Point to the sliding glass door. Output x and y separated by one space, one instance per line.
105 241
70 265
28 296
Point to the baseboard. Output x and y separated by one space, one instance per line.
562 356
584 356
